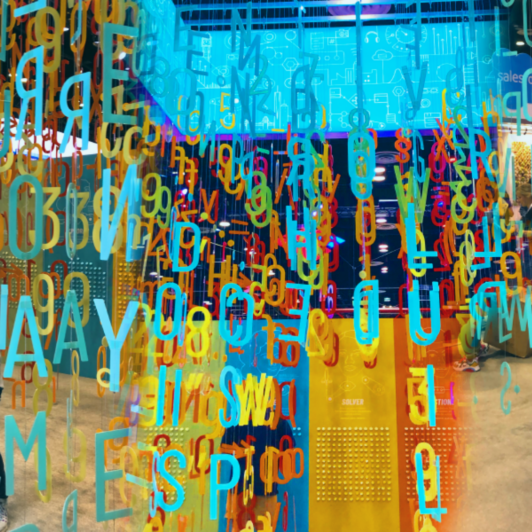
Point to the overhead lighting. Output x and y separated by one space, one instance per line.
66 29
271 272
384 270
207 303
379 178
330 245
381 220
520 43
224 224
380 170
122 55
24 80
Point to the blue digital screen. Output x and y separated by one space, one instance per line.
385 52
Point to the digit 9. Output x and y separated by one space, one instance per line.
49 41
48 308
203 331
84 301
156 197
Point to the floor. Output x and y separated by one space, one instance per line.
501 468
499 459
91 414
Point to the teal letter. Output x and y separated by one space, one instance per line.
12 434
235 338
115 344
234 402
71 302
103 476
362 337
175 232
3 316
303 314
418 335
37 92
216 486
131 192
85 79
177 325
411 243
25 308
73 497
159 466
110 74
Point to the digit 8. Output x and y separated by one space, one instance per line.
163 76
84 301
49 307
40 387
366 207
203 331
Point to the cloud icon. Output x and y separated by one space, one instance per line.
382 55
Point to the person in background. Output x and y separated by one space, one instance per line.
470 345
524 200
259 437
4 521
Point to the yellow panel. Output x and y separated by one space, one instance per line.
353 466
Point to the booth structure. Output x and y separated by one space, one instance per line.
252 257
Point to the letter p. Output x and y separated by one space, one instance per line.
216 485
